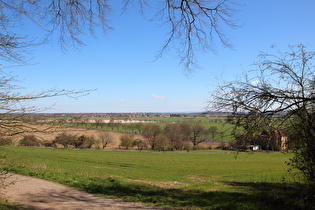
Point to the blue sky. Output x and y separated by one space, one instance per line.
121 66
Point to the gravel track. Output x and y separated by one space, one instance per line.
40 194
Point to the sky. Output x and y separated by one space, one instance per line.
122 69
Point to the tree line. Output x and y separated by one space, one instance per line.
173 136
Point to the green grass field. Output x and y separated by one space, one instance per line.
211 179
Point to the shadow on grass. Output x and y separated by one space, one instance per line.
244 195
10 206
278 195
248 196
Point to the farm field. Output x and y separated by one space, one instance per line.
128 124
206 179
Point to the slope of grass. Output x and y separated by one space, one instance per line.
198 179
5 205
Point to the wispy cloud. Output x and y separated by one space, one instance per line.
255 82
158 97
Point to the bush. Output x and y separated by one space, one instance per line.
105 139
79 141
5 141
47 144
126 141
65 139
162 143
187 146
30 140
84 142
140 144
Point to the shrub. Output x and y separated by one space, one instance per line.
30 140
187 146
84 142
162 143
105 139
126 141
48 144
78 142
140 144
5 141
65 139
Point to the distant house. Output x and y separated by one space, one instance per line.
273 140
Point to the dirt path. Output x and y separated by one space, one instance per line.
40 194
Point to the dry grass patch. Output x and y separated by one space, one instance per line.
47 133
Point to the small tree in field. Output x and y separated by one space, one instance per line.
150 133
162 143
140 144
175 136
194 131
126 141
88 142
105 138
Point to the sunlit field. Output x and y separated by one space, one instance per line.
195 179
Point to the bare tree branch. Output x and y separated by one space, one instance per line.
193 25
282 94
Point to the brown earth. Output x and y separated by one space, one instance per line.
32 193
50 132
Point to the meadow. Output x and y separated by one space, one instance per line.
206 179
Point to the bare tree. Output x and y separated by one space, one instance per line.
140 144
175 135
194 131
193 24
150 133
162 143
281 94
105 138
15 106
68 19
